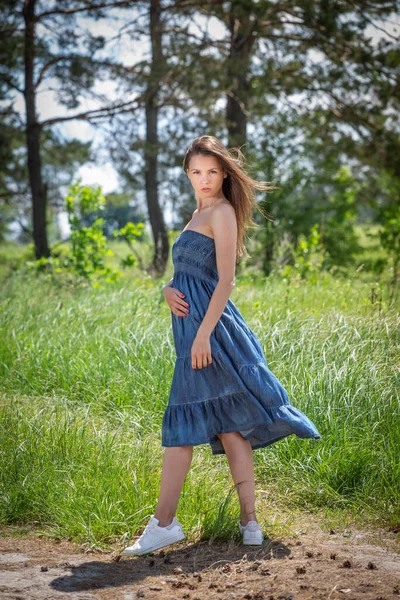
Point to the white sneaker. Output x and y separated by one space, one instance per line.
155 537
252 533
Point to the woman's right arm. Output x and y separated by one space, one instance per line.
175 300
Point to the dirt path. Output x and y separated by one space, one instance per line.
311 565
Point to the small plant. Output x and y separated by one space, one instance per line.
308 258
88 242
129 233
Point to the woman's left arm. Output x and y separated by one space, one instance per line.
224 227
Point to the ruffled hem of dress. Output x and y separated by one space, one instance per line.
197 423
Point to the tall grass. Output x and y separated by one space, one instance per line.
85 377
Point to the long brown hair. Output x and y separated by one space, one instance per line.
238 187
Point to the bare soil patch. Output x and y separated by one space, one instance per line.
315 564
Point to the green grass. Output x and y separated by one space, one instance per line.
84 380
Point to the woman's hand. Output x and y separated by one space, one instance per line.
174 299
201 352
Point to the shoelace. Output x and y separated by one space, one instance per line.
149 527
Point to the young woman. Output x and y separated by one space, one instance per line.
222 391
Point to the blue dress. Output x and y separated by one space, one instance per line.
237 391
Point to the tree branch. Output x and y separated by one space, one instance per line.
342 106
370 21
181 4
97 113
47 66
11 84
24 228
88 7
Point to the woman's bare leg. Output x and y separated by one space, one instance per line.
176 464
240 458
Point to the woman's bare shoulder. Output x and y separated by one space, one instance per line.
223 216
223 207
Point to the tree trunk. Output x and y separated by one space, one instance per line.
33 137
242 40
160 234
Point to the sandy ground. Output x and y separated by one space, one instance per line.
312 564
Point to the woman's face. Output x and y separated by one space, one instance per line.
206 176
